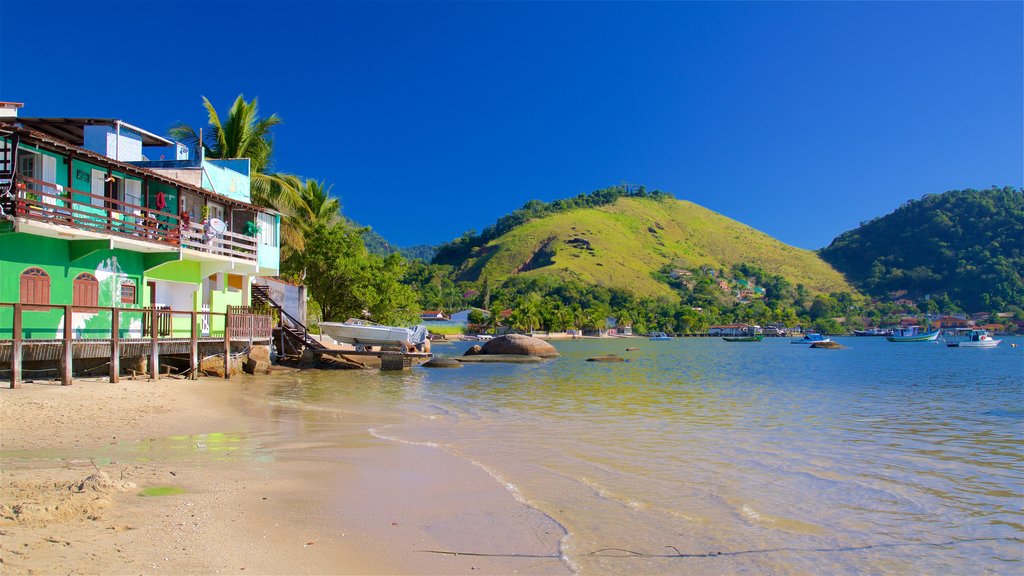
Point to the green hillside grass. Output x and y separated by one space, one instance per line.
633 238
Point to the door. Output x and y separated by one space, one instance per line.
96 187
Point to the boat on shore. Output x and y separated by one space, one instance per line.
660 336
913 334
973 338
810 338
873 332
363 333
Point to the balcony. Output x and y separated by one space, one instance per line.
47 208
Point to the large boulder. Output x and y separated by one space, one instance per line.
519 344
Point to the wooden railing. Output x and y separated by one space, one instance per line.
237 327
224 244
45 202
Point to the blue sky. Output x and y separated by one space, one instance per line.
799 119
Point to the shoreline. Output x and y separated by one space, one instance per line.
257 495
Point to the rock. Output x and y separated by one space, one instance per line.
632 349
519 344
473 350
830 345
511 358
608 358
214 366
253 366
442 363
260 353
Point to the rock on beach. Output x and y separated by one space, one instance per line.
519 344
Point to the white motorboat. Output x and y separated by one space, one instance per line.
810 338
364 333
973 338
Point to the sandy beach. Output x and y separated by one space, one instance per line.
247 493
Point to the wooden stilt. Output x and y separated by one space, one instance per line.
227 343
154 346
115 346
66 358
193 350
16 348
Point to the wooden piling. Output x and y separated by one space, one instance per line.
154 345
66 357
16 348
227 343
115 346
193 350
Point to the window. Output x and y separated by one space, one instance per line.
35 286
86 290
127 292
268 229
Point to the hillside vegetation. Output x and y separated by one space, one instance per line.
625 243
968 244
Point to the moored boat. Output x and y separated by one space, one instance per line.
973 338
913 334
748 338
364 333
873 332
660 336
810 338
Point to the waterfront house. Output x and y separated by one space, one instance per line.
738 329
98 212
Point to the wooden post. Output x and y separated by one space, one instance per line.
154 353
66 357
193 350
16 348
115 345
227 343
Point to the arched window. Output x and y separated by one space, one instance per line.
86 290
35 286
128 295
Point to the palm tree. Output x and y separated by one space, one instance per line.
244 135
315 205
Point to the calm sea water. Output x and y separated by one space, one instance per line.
701 456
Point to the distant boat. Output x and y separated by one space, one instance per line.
660 336
810 338
364 333
973 338
913 334
749 338
873 332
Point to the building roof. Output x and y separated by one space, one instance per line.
73 129
125 167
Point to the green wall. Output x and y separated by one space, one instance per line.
21 251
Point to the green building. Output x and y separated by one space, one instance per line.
97 212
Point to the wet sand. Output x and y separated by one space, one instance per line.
258 494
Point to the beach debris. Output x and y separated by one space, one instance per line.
442 362
607 358
519 344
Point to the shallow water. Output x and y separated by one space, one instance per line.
699 455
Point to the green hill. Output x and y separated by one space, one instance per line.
968 244
624 243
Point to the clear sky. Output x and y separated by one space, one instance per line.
799 119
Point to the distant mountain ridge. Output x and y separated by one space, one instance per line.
968 244
377 244
624 243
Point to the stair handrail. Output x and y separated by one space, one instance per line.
263 293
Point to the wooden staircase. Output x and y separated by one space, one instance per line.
8 169
290 336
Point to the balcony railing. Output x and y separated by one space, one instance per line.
197 237
45 202
50 203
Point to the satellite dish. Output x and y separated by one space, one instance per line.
217 227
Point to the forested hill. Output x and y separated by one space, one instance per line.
377 244
628 243
968 244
